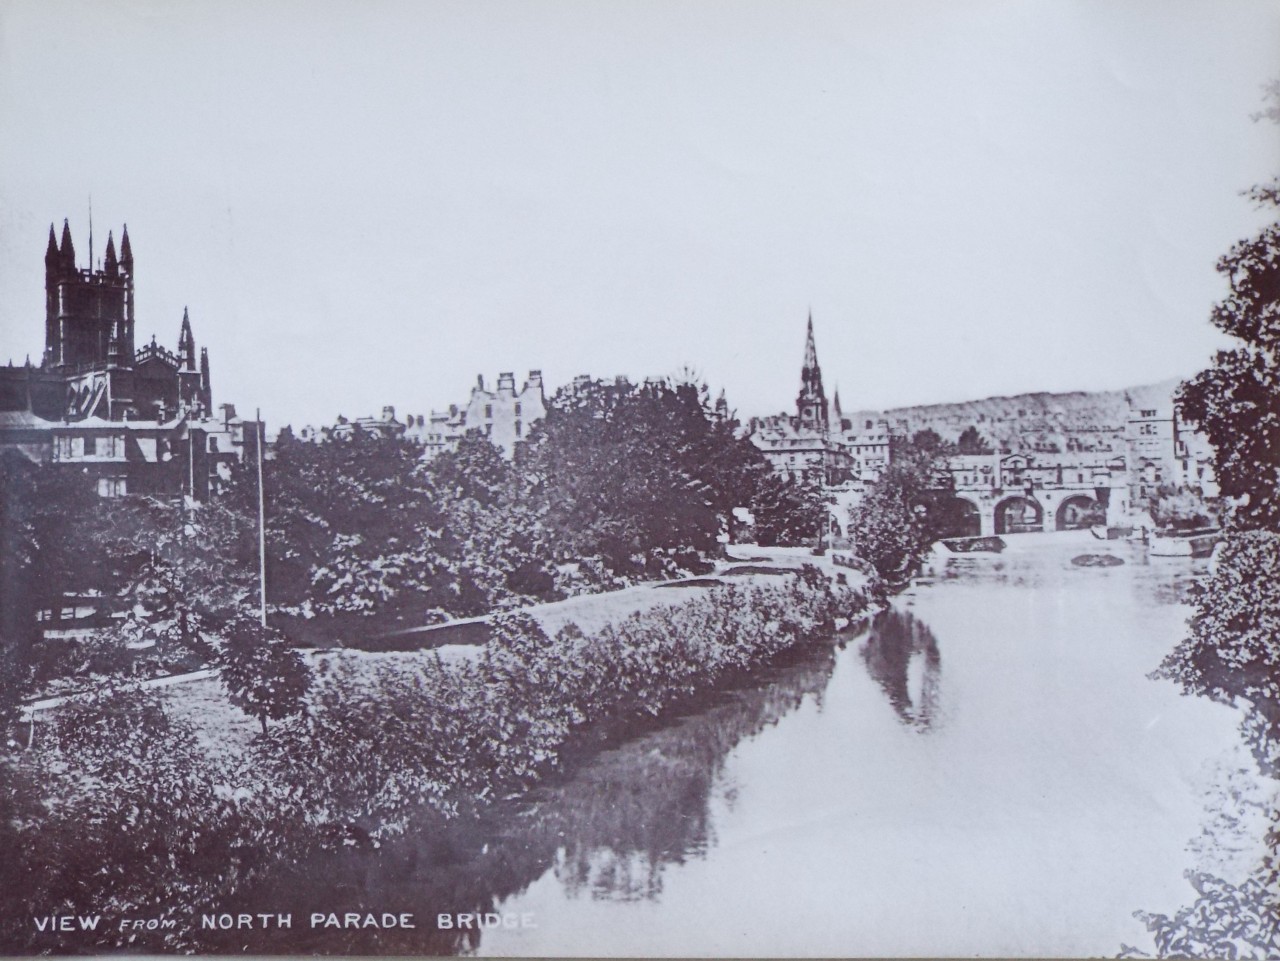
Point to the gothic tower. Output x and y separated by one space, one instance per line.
811 404
88 313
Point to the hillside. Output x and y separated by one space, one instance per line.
1078 420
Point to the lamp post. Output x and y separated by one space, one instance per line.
260 436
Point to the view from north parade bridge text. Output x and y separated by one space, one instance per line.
645 479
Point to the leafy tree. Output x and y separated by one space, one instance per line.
788 511
1232 652
636 474
476 470
908 508
925 444
1236 401
972 442
888 527
263 676
351 526
1232 649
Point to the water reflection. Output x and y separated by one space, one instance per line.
607 830
1048 565
901 655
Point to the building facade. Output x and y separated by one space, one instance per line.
135 420
1163 451
504 415
809 445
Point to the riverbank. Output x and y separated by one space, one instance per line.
382 746
990 771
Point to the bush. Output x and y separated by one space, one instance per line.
377 745
1233 650
118 810
263 676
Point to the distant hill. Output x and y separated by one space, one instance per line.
1079 420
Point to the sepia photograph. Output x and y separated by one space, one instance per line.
644 478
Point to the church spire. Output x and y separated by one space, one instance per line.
810 351
126 252
187 343
67 250
811 404
110 265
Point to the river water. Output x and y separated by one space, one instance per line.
989 771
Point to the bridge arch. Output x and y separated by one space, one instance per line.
1079 512
954 515
1018 514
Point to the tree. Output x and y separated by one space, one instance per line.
351 526
1236 401
788 511
887 526
635 475
1232 651
263 676
927 445
972 442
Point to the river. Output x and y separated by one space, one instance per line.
988 770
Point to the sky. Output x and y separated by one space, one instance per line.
369 204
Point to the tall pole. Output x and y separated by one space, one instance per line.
262 521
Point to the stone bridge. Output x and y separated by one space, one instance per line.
1005 493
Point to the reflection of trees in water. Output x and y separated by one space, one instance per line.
608 829
896 638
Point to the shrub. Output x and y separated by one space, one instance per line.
1233 650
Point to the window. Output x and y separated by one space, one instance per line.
111 487
517 411
488 411
107 446
519 426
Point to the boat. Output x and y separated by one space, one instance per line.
1104 533
1190 543
974 545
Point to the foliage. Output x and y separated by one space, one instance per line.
886 529
632 474
926 445
47 528
1233 650
905 510
788 511
1225 921
263 676
972 442
1236 401
350 525
1181 508
375 747
117 810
